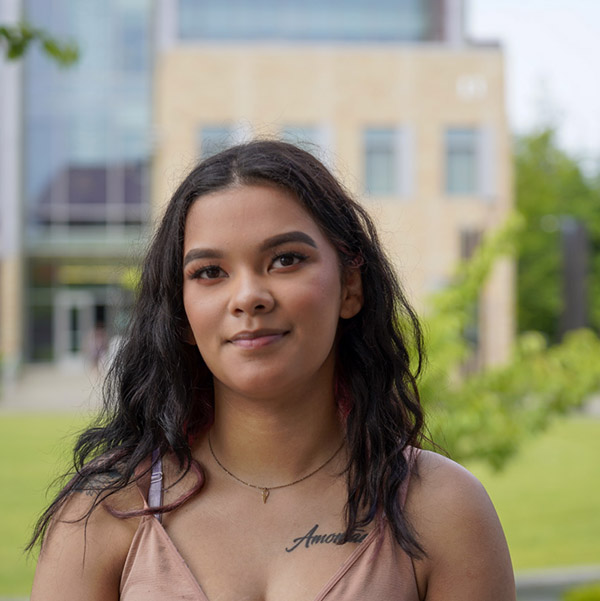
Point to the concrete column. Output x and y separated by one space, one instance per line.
498 321
165 19
11 318
454 25
11 253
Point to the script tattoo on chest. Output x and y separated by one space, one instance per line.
312 537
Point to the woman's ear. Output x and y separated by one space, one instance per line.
352 293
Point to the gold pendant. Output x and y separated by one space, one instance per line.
265 494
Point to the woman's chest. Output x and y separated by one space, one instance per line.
261 551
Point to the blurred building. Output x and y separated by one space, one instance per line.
76 206
390 93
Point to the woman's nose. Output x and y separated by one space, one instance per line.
250 296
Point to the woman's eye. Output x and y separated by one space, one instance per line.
212 272
288 260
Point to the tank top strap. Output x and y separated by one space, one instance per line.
149 478
155 490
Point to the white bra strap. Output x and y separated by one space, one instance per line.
156 477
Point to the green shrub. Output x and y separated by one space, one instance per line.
488 414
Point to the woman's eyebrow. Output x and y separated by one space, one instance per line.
287 237
212 253
202 253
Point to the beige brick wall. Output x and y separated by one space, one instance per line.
258 88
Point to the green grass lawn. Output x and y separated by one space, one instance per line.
548 499
33 450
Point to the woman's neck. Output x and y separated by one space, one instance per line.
275 441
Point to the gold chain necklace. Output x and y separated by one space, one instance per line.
266 490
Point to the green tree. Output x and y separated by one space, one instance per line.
550 186
15 41
488 414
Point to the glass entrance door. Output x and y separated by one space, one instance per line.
73 325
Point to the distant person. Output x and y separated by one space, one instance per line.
96 346
262 427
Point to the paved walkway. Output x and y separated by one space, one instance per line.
49 387
550 585
52 388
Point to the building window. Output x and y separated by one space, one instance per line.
462 161
214 139
470 162
380 161
315 139
94 195
86 130
469 241
305 137
387 161
349 20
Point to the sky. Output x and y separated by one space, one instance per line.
552 50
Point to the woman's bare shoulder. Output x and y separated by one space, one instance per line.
85 546
442 477
457 525
444 495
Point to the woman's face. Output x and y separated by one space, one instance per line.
263 291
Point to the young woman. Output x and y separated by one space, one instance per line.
261 431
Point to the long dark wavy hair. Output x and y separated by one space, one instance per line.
158 391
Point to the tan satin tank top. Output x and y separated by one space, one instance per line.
377 570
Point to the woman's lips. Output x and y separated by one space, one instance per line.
259 339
